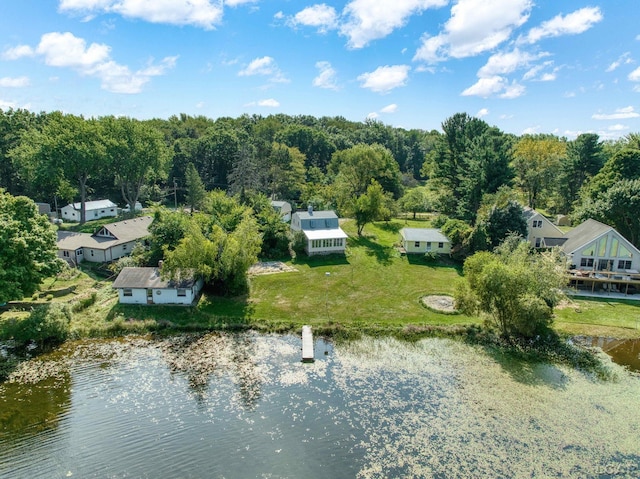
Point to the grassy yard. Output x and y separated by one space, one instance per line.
372 289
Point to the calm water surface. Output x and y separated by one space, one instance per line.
243 406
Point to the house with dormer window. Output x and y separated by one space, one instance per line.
322 231
108 243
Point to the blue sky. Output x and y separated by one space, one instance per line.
525 66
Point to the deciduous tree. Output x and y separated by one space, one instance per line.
514 288
28 250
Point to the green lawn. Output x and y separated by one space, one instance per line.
372 289
599 317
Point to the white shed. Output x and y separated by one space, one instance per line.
146 286
93 210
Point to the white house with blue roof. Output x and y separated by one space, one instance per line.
321 230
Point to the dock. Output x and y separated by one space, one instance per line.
307 344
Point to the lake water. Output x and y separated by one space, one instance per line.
244 406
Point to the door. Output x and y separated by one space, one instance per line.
149 296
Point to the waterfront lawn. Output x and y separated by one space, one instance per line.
599 317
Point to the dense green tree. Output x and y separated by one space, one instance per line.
136 153
286 175
13 123
468 161
67 147
583 160
314 144
28 250
368 207
196 192
415 200
167 229
619 207
503 218
623 165
515 289
221 258
216 152
536 161
246 174
356 167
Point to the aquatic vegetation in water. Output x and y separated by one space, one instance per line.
244 405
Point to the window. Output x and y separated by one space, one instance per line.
65 254
124 247
79 252
337 242
127 292
537 223
588 262
440 245
91 252
417 244
182 292
537 242
622 264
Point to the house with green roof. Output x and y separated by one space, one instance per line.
424 240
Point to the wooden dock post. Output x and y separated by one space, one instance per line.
307 344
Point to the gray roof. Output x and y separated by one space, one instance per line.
93 205
551 242
432 235
305 215
528 212
148 278
583 234
123 232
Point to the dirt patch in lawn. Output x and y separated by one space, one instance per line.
270 267
439 303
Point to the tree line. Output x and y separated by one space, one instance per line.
470 172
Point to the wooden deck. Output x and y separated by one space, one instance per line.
307 345
607 282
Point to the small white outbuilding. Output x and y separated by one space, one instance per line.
146 286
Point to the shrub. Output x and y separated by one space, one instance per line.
47 324
84 303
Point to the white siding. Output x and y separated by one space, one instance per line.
425 246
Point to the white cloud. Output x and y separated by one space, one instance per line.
368 20
635 75
326 76
514 90
321 16
200 13
18 82
620 114
264 66
482 112
532 130
65 50
18 52
269 102
486 87
475 26
624 59
384 79
570 24
236 3
389 108
8 105
618 127
503 63
372 116
279 15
